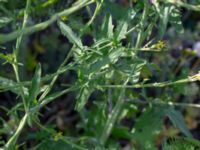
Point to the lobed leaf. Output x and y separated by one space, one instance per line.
67 31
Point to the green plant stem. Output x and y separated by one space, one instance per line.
113 117
147 49
150 85
98 8
132 29
11 142
16 52
5 87
41 26
14 137
56 76
23 121
164 103
51 97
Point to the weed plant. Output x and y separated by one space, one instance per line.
114 68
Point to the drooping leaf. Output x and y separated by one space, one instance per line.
67 31
178 121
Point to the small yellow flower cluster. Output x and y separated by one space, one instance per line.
64 18
58 136
160 45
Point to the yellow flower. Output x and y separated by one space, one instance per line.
160 45
64 18
58 136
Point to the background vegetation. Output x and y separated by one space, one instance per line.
99 74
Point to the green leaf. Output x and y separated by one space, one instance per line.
7 57
4 21
83 96
33 93
35 85
133 69
104 61
164 19
175 19
67 31
122 132
181 144
121 30
147 127
107 27
178 121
